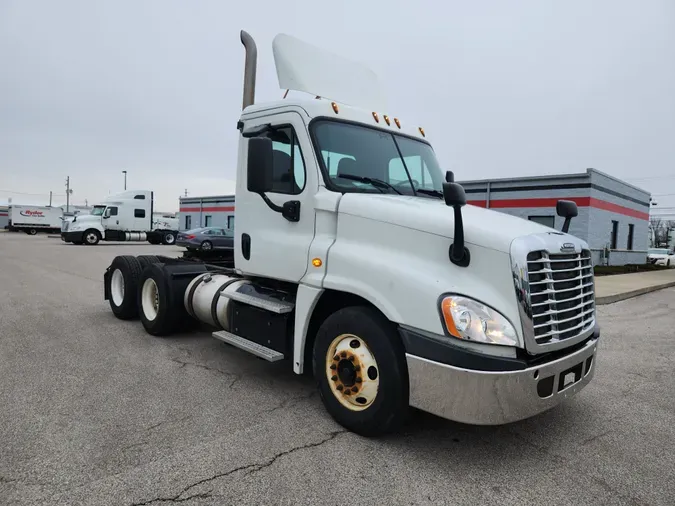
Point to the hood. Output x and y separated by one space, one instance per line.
482 227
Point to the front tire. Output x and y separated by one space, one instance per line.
125 271
91 237
206 246
32 231
359 364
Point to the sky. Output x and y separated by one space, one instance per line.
502 89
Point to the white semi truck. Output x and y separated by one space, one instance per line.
356 260
34 219
126 216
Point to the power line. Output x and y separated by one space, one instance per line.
652 178
32 194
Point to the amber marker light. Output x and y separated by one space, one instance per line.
386 119
335 107
398 123
376 117
422 131
316 262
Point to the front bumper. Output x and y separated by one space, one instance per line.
495 397
72 236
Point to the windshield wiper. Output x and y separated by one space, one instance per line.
434 193
377 183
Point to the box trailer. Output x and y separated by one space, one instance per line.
34 219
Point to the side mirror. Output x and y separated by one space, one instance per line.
454 194
455 197
568 210
259 165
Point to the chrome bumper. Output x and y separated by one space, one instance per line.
494 398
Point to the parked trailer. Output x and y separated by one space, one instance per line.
34 219
390 292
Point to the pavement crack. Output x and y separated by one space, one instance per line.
182 363
251 468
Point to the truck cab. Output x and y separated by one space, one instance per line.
357 260
127 216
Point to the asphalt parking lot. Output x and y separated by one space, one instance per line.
95 411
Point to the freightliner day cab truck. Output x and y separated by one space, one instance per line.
357 261
126 216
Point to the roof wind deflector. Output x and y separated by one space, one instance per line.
250 65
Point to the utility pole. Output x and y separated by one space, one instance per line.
50 199
125 179
68 192
186 192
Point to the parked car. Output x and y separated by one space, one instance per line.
206 239
661 256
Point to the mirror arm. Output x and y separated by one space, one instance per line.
271 204
566 225
290 210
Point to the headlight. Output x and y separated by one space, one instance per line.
468 319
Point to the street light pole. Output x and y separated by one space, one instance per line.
125 178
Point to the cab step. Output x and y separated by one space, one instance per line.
274 306
249 346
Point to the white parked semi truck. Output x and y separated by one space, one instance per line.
34 219
126 216
356 260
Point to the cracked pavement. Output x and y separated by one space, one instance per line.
95 411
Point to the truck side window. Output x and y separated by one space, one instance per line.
140 197
139 213
113 211
289 167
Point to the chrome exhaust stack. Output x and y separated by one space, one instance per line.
250 65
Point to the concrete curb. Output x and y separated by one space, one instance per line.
611 299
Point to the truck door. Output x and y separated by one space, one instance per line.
112 222
266 243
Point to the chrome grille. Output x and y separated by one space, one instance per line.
561 292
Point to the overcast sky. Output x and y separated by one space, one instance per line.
91 88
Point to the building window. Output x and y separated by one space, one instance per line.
188 222
615 233
629 245
230 222
139 213
547 221
207 220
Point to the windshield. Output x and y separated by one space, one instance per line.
369 153
658 251
98 210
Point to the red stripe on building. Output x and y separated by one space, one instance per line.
551 202
206 209
4 214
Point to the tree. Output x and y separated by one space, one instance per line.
658 228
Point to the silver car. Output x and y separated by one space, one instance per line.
206 239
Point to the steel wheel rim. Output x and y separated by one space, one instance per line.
150 299
91 238
169 238
206 246
117 287
352 372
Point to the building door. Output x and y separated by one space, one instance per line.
188 222
230 222
207 220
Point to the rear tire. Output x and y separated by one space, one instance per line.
146 260
31 231
168 239
378 402
123 283
160 310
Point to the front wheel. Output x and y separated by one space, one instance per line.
359 364
91 237
32 231
207 246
